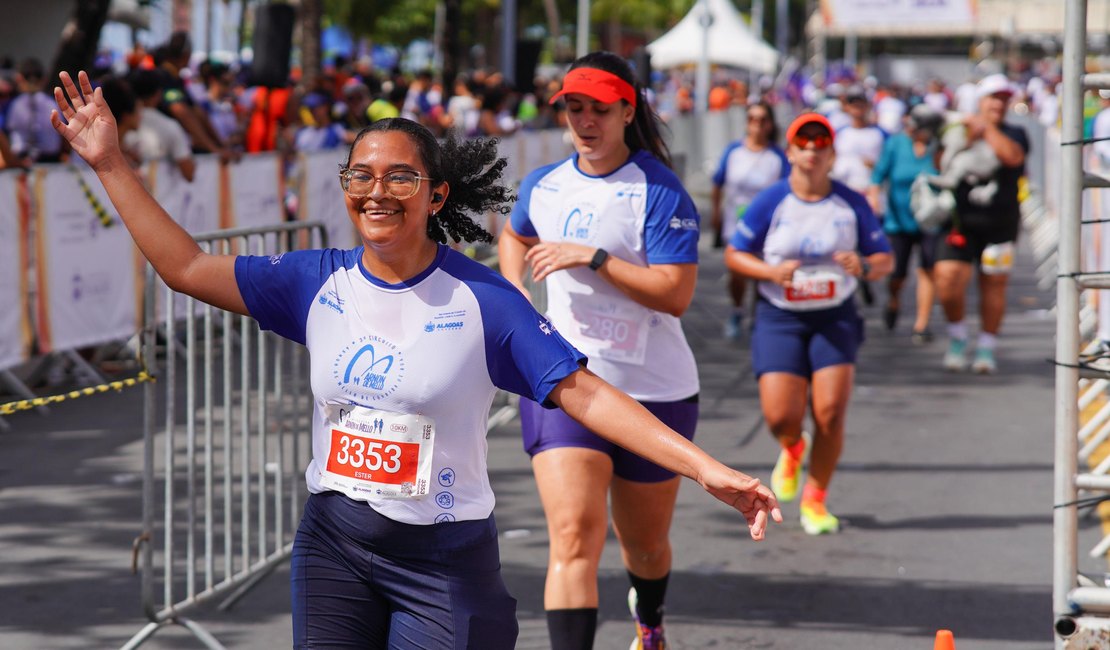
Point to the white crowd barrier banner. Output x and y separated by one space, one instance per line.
86 270
194 205
13 317
321 198
858 13
254 185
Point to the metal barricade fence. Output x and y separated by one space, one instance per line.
224 448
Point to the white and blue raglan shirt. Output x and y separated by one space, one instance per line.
432 350
779 226
641 214
743 173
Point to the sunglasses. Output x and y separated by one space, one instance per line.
818 141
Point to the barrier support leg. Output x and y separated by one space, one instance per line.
202 635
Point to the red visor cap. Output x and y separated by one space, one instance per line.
603 86
808 118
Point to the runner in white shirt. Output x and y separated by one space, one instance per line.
158 138
614 236
747 167
810 241
408 341
858 145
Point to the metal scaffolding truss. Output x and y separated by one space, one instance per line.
1081 606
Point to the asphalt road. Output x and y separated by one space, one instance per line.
944 488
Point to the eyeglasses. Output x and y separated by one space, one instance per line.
819 141
398 184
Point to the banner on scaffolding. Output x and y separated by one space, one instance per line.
14 336
919 13
321 198
84 263
194 205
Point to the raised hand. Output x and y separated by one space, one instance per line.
747 495
89 126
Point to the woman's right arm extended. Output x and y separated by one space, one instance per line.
90 130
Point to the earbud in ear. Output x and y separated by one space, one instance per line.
437 197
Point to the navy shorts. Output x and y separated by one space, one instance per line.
362 580
552 428
803 342
902 245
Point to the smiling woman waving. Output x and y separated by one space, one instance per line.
381 560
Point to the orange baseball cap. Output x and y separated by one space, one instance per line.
808 118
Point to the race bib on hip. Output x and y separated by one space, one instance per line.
811 286
610 329
372 452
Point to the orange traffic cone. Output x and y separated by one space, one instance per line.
945 640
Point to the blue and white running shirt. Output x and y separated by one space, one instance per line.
779 226
429 351
743 173
641 214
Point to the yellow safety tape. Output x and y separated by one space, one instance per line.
102 214
28 404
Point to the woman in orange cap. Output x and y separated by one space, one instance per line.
809 241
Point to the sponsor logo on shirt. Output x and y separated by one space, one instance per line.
547 187
546 327
370 368
580 224
451 321
631 191
678 223
276 259
332 300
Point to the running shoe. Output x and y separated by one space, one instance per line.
647 637
921 337
984 363
787 475
733 329
955 358
817 520
890 317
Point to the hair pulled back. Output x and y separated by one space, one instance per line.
645 130
470 167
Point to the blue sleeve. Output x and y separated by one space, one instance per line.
524 353
751 231
869 232
671 221
278 290
722 167
520 219
886 161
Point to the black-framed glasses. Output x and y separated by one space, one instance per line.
400 184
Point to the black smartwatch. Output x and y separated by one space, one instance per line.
865 268
599 258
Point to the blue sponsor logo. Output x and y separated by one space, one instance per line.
369 368
444 517
332 300
429 327
446 500
580 224
446 477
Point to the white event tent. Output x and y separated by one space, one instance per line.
731 42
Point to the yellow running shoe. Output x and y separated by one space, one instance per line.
816 519
787 475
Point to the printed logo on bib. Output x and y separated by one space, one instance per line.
611 329
817 285
370 368
386 454
581 224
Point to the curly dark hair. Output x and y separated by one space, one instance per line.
470 167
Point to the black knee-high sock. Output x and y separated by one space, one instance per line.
649 598
572 629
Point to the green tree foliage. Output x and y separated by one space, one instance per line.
648 15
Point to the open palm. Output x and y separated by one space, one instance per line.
89 126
